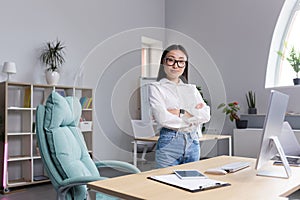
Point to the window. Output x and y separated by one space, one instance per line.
286 33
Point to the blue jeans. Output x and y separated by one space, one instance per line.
174 148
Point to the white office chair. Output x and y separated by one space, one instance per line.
143 129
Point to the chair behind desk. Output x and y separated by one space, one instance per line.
143 129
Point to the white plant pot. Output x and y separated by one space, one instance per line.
52 78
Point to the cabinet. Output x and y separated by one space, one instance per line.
21 163
246 142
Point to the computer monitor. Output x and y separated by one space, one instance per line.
270 145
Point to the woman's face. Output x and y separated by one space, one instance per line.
174 64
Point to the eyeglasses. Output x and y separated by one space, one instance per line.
172 62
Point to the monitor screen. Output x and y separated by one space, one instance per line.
272 127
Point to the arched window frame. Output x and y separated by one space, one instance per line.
279 36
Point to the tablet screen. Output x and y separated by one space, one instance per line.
189 174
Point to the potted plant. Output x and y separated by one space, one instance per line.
294 60
231 109
53 57
251 101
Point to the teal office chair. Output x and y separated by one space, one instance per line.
63 149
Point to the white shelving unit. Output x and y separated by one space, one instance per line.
21 163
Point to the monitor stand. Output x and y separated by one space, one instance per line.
276 173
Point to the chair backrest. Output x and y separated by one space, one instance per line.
61 142
142 128
49 165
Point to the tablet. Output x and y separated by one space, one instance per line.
189 174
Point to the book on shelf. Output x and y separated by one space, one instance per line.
83 101
89 105
27 97
40 178
33 127
62 92
86 102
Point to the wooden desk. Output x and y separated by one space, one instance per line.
205 137
244 183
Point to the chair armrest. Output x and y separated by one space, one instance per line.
67 184
117 165
80 180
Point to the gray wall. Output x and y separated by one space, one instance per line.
83 26
26 25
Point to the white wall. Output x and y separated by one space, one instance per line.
83 26
237 35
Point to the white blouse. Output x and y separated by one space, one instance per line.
166 94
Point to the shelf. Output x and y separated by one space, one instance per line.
19 172
18 182
257 121
18 108
42 181
20 158
40 178
18 134
285 87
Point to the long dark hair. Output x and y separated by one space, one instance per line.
161 71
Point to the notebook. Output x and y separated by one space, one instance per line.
191 185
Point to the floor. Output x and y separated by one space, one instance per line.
46 191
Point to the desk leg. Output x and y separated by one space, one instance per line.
135 153
229 146
91 195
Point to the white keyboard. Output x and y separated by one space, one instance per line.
233 167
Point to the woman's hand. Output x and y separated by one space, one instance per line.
199 105
177 112
174 111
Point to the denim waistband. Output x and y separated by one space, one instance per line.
171 131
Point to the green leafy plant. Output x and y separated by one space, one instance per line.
293 58
251 99
53 55
231 109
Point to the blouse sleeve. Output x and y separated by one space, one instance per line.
160 112
201 115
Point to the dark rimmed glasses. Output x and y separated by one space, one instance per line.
172 62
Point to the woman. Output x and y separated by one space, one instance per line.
179 110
